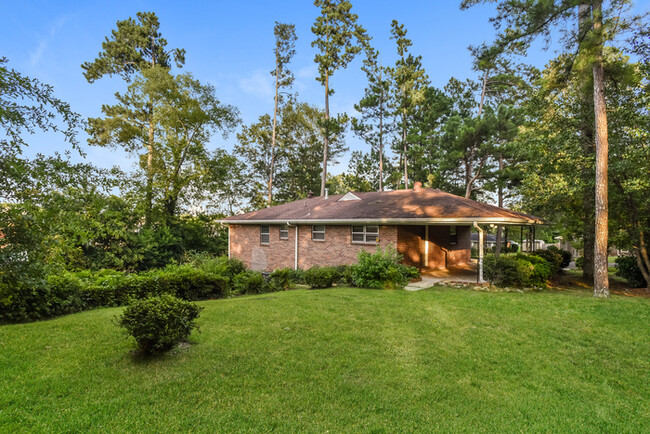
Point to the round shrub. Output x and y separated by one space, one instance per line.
566 255
541 269
382 270
554 259
628 269
281 280
158 324
250 282
507 271
519 271
321 277
580 262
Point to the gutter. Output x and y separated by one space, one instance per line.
389 221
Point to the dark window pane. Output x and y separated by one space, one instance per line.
370 238
372 229
318 235
318 228
357 237
357 229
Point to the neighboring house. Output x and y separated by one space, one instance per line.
430 228
491 241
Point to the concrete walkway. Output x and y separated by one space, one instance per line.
463 276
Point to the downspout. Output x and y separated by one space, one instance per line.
228 241
479 278
295 253
426 246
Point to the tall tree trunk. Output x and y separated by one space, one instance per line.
601 276
327 130
587 127
275 123
149 187
497 250
483 91
643 258
406 170
381 143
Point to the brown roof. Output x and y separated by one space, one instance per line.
397 207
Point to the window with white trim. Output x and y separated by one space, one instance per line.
284 232
365 234
265 234
453 235
318 233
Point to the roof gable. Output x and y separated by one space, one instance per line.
349 196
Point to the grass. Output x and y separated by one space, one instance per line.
343 359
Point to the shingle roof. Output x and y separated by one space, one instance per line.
397 207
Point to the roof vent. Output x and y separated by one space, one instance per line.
327 193
349 196
417 186
310 194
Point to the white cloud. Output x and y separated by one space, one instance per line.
259 84
36 55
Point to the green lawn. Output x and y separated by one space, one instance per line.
343 360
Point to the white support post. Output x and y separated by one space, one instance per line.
480 252
426 245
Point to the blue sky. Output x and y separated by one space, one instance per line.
229 44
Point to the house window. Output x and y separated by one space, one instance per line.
365 234
284 232
453 236
318 233
265 234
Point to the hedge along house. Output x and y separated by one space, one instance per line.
431 229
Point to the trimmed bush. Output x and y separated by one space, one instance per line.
580 262
281 280
554 259
382 270
628 269
345 274
542 270
520 270
321 277
507 271
298 276
250 282
158 324
566 255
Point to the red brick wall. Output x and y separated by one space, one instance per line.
409 244
443 254
245 246
337 249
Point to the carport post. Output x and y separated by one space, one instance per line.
479 278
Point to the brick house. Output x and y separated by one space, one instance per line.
430 228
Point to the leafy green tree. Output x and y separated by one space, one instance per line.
301 135
338 39
258 148
409 86
374 126
361 174
183 115
135 46
424 137
521 22
285 43
27 106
